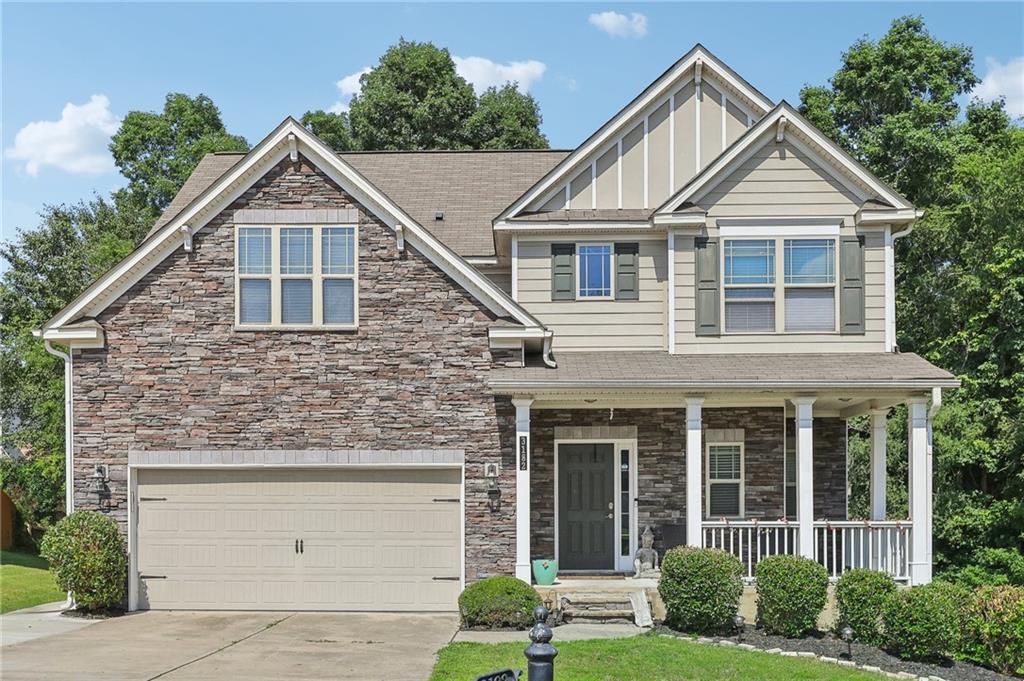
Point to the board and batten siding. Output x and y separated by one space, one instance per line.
659 151
597 324
778 181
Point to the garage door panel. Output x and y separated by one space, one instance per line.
372 539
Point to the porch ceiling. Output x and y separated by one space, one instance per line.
847 378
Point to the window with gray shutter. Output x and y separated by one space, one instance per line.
627 271
851 277
707 287
563 271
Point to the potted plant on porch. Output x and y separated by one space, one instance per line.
544 571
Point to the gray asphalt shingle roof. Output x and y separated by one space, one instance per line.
470 187
660 369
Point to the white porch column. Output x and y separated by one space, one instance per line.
878 463
805 474
920 491
523 488
694 474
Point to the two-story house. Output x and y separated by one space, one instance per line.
361 380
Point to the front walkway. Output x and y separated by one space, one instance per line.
243 646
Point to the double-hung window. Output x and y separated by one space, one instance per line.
297 276
763 294
724 493
595 270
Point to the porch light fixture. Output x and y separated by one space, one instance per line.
493 491
846 633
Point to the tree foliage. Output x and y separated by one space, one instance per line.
960 274
156 152
415 99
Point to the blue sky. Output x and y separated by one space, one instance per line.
81 67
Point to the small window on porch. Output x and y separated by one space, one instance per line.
725 480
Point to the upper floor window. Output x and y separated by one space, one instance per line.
595 270
297 276
762 294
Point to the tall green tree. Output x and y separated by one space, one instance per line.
415 99
960 275
156 152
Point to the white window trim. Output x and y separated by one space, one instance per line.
708 479
779 284
317 277
611 270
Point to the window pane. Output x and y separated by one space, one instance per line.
337 245
297 301
724 499
297 250
254 250
810 261
790 501
749 309
749 261
791 467
339 301
624 505
724 462
595 271
254 301
810 309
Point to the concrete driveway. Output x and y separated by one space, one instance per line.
194 646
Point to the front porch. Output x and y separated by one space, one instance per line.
753 475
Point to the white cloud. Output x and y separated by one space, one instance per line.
484 73
1004 80
348 87
77 143
619 25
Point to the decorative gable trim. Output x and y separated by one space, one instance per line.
698 63
289 138
785 122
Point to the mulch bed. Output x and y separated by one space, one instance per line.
826 644
102 614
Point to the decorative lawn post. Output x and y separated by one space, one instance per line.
540 654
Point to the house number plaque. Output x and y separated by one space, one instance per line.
523 466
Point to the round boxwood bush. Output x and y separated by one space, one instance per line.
860 594
498 603
701 588
924 622
791 592
994 628
87 557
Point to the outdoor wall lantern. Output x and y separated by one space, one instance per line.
493 491
96 484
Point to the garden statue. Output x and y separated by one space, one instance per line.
646 561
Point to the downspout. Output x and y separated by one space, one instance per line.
69 475
549 336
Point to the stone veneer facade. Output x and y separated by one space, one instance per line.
176 376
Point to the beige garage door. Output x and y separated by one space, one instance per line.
331 539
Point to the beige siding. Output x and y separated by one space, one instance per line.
503 278
597 324
671 142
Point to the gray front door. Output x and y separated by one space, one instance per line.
586 501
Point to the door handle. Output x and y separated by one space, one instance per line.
610 516
302 546
296 546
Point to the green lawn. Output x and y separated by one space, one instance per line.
643 658
25 581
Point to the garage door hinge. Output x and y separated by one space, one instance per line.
152 498
450 501
152 576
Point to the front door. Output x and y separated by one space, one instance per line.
586 501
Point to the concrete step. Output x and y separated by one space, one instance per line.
597 607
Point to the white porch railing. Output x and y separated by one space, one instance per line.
839 545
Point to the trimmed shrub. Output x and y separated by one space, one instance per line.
701 588
498 603
860 595
87 557
994 629
924 622
791 593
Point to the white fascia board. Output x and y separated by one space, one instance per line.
482 261
895 216
263 156
680 219
761 134
657 90
570 226
519 333
88 335
503 386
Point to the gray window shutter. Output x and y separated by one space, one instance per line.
708 285
851 285
563 271
627 271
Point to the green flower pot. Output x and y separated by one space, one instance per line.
545 571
